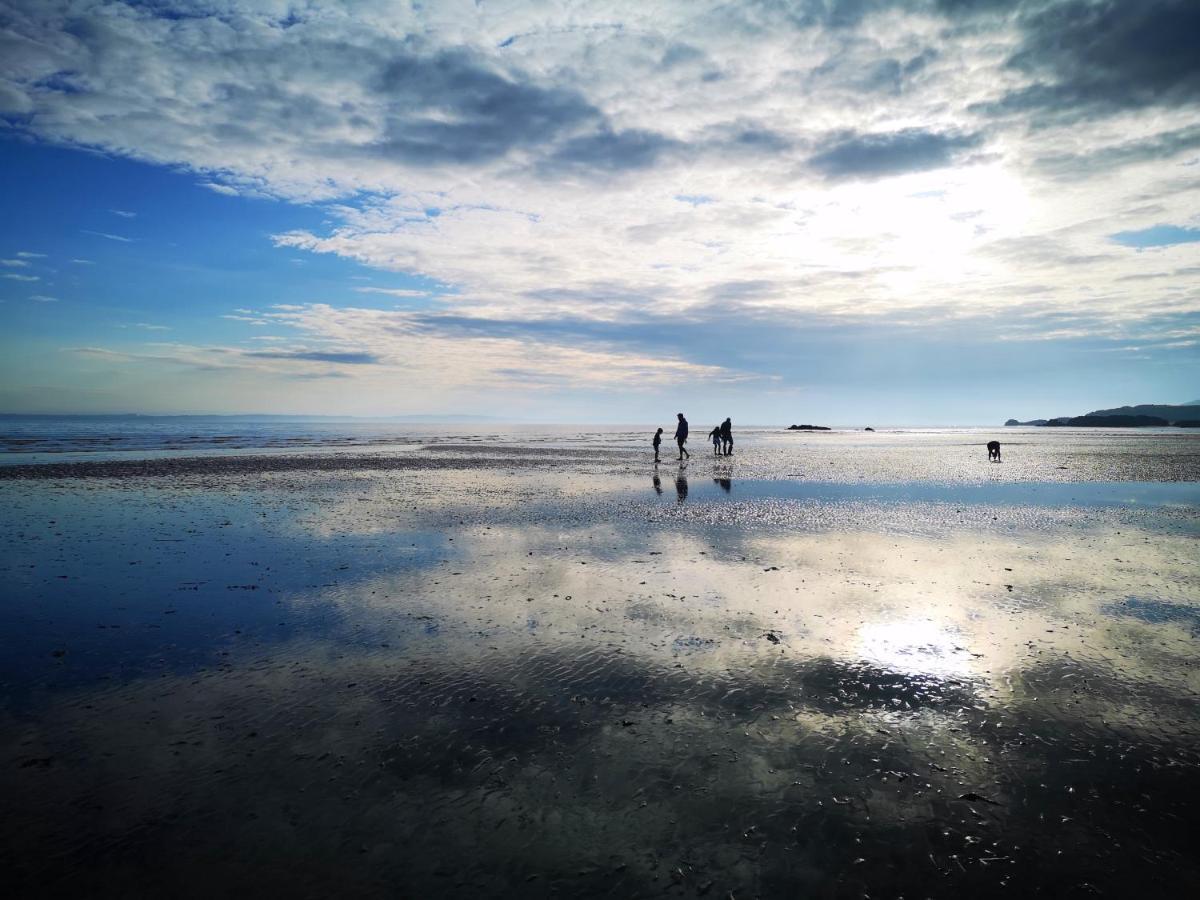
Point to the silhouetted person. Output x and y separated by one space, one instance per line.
680 488
993 451
715 437
681 433
725 483
727 437
657 443
657 484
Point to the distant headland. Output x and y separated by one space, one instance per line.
1147 415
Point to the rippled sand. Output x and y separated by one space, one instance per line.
534 672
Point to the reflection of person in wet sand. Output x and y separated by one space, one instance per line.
681 434
657 485
725 483
681 487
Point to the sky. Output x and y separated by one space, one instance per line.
867 211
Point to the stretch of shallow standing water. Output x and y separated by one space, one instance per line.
533 663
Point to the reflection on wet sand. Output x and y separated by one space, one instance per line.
383 697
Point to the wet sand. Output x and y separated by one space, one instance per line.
539 671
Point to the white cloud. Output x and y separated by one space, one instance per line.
42 298
891 165
392 292
13 263
26 254
124 214
12 276
107 236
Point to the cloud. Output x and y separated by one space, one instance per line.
1080 166
392 292
451 106
124 214
851 155
608 151
1099 58
220 188
42 298
13 263
628 173
13 276
26 254
349 357
107 236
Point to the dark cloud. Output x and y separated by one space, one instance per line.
851 155
349 357
450 108
1092 59
611 151
1077 166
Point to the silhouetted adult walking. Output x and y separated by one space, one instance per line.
681 433
727 437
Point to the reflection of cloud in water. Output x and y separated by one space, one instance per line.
527 706
596 773
1156 612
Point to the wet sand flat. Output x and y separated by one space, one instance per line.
560 671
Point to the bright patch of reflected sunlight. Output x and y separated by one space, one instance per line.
915 645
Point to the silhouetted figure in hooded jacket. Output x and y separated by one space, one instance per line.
681 434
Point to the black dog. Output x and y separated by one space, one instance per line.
993 451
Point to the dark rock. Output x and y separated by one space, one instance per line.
808 428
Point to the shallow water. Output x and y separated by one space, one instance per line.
495 678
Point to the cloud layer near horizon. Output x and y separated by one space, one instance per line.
611 166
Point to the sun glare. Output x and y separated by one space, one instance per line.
915 645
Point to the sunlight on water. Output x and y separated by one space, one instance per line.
914 645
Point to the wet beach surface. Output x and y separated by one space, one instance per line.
828 667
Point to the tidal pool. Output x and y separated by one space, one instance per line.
508 682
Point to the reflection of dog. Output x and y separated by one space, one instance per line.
993 451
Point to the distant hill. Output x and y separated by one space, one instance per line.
1116 421
1160 411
